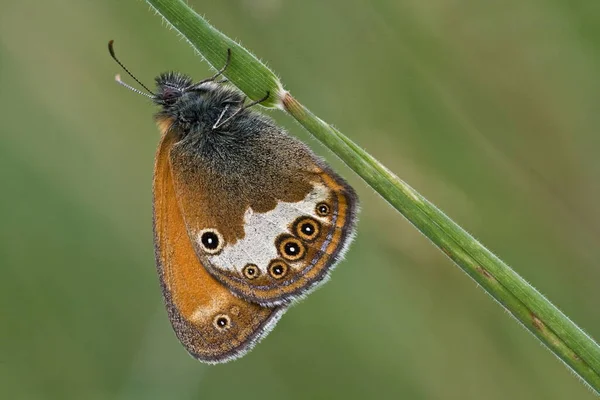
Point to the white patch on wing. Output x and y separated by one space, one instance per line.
261 230
206 311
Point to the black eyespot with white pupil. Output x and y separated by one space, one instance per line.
211 241
278 269
290 248
307 228
251 271
222 322
323 209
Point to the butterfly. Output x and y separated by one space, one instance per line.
247 219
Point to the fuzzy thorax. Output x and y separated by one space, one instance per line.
192 107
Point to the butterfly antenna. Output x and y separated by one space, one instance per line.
111 50
120 82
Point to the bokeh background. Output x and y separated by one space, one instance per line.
490 109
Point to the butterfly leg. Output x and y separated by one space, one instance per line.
217 74
220 116
220 123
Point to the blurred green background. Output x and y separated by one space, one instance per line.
490 109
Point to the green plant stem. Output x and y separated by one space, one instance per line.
553 328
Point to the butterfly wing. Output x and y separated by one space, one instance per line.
266 216
212 324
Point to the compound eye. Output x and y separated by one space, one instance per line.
169 95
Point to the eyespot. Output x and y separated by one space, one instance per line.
278 269
222 322
251 271
307 228
323 209
290 248
211 241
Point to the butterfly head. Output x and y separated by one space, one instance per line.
170 88
186 106
190 107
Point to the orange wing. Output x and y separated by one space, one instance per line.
212 324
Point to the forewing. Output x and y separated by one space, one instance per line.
213 324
